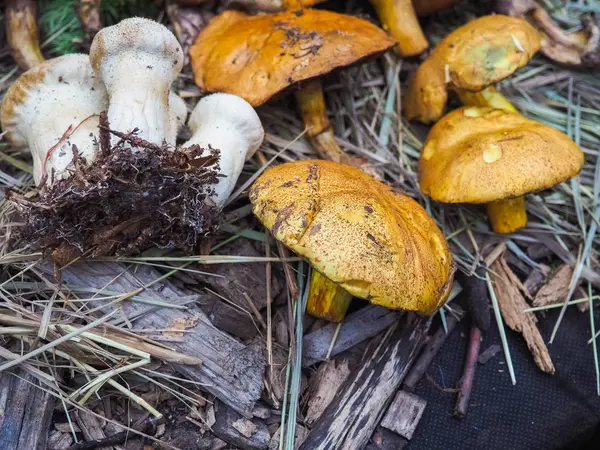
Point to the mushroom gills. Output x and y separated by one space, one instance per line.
508 215
489 97
327 300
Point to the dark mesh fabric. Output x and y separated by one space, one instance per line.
540 412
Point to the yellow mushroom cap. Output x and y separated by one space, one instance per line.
476 55
375 243
482 155
255 57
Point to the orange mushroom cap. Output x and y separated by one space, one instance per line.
476 55
482 155
375 243
255 57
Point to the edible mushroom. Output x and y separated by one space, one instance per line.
491 156
51 108
400 19
229 124
257 57
22 33
469 61
361 237
138 59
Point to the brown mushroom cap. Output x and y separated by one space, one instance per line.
375 243
255 57
481 155
476 55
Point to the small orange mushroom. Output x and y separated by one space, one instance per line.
494 157
400 19
469 61
22 33
362 238
257 57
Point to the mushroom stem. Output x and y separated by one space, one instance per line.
22 33
326 299
400 19
489 97
311 104
507 216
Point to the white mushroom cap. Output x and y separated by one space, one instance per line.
178 113
44 102
138 59
229 124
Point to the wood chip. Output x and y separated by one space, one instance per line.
512 303
556 289
488 353
324 386
301 433
404 414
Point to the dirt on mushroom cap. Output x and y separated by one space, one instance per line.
256 57
481 155
375 243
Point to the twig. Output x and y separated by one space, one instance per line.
466 383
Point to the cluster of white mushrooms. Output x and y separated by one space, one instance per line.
129 73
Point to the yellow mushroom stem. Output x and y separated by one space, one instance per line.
507 216
326 300
399 18
22 33
489 97
311 104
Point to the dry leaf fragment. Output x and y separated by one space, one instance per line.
512 303
178 326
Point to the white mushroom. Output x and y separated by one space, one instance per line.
138 59
52 107
229 124
178 113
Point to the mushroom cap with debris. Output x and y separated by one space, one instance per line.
375 243
481 155
255 57
473 57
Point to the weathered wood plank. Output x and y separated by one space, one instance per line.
233 372
351 418
404 414
357 327
239 431
25 412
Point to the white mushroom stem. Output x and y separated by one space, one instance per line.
178 113
137 60
50 109
229 124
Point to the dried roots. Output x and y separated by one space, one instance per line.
124 202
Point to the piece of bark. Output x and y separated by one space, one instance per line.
404 414
239 431
384 439
25 412
556 289
324 386
512 305
90 426
433 345
488 353
239 284
357 327
58 440
536 278
351 418
300 435
231 371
